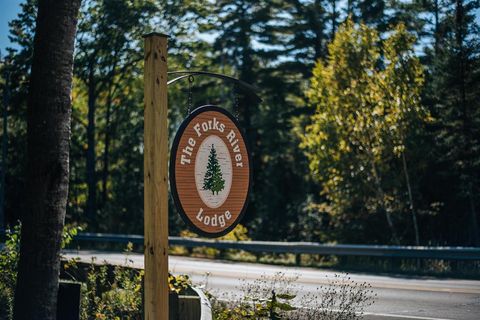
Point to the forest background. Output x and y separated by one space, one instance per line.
368 132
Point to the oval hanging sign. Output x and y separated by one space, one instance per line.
210 171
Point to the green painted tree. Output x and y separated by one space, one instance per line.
213 180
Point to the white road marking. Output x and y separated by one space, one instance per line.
402 316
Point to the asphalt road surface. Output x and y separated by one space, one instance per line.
398 297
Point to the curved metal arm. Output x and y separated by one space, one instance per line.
249 89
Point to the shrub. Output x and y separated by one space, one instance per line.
8 264
6 302
277 298
9 256
117 297
239 233
116 292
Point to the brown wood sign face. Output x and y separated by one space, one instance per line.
210 171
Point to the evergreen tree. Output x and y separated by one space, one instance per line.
16 68
213 179
273 45
455 95
369 12
304 34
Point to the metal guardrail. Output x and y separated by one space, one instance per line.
408 252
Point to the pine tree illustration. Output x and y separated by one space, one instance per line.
213 179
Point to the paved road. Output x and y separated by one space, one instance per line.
398 297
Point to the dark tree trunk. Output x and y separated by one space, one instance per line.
334 19
410 200
48 139
108 132
246 72
106 149
350 9
91 156
317 24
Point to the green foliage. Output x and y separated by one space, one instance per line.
6 302
120 298
365 103
179 284
239 233
107 101
454 95
116 292
69 232
274 45
9 256
16 67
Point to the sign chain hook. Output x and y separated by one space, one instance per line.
191 79
235 106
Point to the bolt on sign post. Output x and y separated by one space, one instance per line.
210 171
155 178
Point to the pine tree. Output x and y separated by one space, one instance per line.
455 94
213 180
17 65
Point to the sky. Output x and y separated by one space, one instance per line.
8 10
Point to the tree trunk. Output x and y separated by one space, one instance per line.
334 19
381 199
410 199
106 149
247 75
48 139
91 156
318 27
350 9
6 98
108 130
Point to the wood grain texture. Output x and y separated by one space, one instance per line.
155 178
186 188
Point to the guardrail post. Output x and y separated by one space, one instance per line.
298 259
156 177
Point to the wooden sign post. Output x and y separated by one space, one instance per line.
156 178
